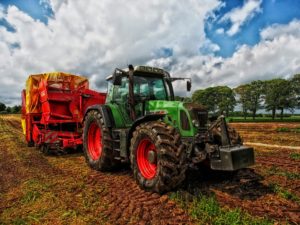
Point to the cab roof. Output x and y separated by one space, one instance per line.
145 69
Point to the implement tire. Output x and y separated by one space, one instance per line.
97 142
30 144
158 157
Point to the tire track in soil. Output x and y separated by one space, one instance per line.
278 162
248 191
127 203
124 201
284 164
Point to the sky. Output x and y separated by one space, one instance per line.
215 42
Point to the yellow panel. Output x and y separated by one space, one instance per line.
32 85
23 122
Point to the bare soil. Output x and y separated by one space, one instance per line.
63 190
38 189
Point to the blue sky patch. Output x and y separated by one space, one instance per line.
37 9
273 11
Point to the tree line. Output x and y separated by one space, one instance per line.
7 109
272 95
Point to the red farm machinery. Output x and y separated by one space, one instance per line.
53 107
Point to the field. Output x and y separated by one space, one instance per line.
295 119
61 189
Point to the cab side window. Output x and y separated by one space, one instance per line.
121 92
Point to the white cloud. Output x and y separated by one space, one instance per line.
93 37
109 34
277 55
239 16
277 29
220 31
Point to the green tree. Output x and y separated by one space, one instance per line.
255 96
178 98
225 99
279 94
8 109
244 92
206 97
182 99
288 98
217 99
16 109
296 88
187 99
2 106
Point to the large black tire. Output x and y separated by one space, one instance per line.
105 160
170 157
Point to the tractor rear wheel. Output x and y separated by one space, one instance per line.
158 157
97 142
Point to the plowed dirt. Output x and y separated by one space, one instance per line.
62 189
38 189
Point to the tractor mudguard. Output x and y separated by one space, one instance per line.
106 112
140 120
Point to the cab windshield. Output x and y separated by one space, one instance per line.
152 88
145 88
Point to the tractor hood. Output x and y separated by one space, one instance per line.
183 116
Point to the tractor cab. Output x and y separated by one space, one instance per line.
132 88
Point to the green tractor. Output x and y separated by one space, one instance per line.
141 124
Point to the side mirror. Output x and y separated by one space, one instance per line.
188 85
117 78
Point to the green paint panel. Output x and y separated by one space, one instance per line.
172 108
119 118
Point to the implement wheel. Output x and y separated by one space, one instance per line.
97 142
30 144
45 149
158 157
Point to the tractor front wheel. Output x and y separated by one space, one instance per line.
97 142
158 157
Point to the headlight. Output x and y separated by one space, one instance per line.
196 123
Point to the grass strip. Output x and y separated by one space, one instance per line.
284 193
206 210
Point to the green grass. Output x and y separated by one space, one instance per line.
31 196
206 210
284 193
19 221
264 119
286 129
295 156
273 170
